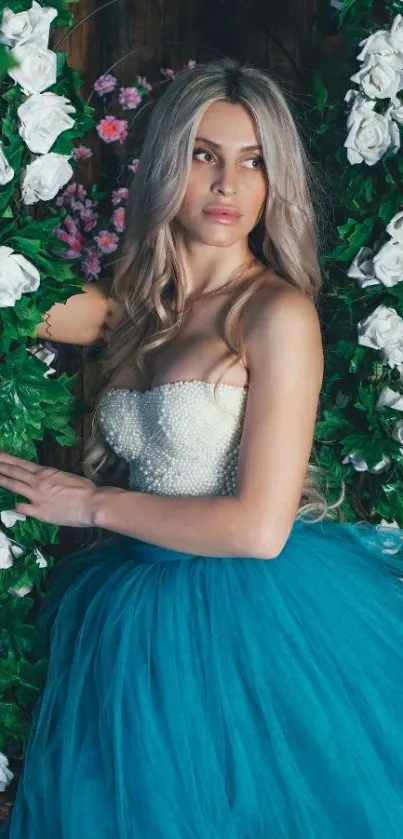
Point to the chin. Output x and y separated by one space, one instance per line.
219 238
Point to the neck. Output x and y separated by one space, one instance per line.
206 268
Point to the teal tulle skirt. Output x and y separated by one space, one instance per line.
221 698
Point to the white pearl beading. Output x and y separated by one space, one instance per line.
176 438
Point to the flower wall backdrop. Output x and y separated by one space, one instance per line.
359 114
42 115
55 234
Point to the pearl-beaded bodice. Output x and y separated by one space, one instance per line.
177 438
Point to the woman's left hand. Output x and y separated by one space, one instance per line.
56 497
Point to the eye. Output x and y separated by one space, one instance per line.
198 152
259 160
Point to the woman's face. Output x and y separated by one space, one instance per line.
227 173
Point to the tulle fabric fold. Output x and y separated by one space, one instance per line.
221 698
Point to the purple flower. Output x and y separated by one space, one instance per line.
105 84
118 219
120 195
134 165
82 152
129 98
107 241
170 74
91 265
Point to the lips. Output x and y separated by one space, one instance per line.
221 210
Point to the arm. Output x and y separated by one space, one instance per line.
80 320
285 362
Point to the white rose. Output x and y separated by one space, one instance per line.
9 517
381 76
16 550
40 559
383 330
379 42
43 117
395 110
6 554
33 23
6 171
388 263
37 68
362 268
360 465
396 33
397 431
355 99
389 398
45 176
370 135
17 276
19 592
6 775
395 227
393 355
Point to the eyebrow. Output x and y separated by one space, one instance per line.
217 145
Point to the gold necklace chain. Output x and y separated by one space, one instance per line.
220 288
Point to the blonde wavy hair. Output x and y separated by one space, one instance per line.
148 275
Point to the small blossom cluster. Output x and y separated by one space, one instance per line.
85 215
82 219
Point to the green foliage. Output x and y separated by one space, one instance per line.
365 198
33 404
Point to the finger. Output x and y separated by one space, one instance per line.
20 487
13 460
18 473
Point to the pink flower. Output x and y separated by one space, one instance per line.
76 205
134 165
91 265
82 152
190 65
142 82
111 129
170 74
107 241
89 218
118 219
70 224
72 254
76 242
105 84
120 195
73 190
129 98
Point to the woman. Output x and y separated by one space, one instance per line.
228 663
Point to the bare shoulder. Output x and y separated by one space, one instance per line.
275 298
280 314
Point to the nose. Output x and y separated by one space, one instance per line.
224 182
